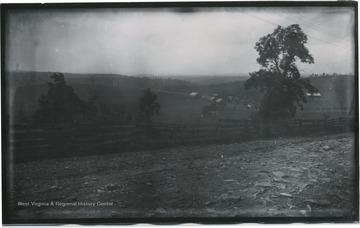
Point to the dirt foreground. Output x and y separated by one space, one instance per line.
291 177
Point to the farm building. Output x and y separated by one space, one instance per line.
195 95
316 95
220 101
250 105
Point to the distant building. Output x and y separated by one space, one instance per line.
220 101
250 105
195 95
313 95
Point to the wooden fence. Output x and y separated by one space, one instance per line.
25 144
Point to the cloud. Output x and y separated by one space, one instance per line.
161 41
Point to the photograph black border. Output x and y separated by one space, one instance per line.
163 220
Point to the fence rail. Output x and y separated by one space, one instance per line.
29 144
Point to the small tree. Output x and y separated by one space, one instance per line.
279 78
61 104
148 105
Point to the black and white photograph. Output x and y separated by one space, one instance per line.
205 112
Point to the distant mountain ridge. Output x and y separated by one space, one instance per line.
178 83
212 79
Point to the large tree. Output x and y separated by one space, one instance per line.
61 104
148 105
279 78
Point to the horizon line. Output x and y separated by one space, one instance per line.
170 74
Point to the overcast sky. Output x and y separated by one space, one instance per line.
168 41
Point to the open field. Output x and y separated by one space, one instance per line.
296 177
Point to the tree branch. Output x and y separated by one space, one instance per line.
277 65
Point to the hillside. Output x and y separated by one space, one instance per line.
337 96
24 78
17 79
121 93
173 105
211 79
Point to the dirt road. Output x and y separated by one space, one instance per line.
280 177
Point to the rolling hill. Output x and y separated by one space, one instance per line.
115 91
174 106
